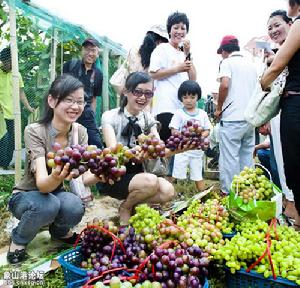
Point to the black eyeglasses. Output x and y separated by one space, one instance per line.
139 93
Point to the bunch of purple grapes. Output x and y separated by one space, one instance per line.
190 137
178 267
110 164
100 253
136 248
78 156
151 145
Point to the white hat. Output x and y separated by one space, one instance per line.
159 30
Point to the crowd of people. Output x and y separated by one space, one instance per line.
161 87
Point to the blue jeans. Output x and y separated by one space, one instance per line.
60 210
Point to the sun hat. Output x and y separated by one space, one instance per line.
159 30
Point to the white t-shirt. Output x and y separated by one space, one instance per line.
181 116
119 120
165 98
243 79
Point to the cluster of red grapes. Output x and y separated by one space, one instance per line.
190 137
177 267
151 145
101 253
78 156
109 163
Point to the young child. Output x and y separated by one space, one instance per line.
189 93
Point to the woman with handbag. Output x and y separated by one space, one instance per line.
123 125
39 199
138 58
289 55
278 26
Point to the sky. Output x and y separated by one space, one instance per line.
126 22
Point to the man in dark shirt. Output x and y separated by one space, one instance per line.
91 77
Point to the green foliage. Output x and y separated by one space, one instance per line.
7 182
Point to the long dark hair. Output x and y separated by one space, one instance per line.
148 45
60 88
132 81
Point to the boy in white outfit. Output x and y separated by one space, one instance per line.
189 93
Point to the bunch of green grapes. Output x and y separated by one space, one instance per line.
145 218
204 224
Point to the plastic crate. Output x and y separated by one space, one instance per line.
255 280
206 284
229 235
70 261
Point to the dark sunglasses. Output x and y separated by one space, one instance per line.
139 93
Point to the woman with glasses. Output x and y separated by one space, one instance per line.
123 125
39 199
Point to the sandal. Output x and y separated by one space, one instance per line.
16 256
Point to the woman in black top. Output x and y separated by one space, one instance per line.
289 55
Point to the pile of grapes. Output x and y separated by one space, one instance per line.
189 138
252 184
177 267
204 224
249 244
102 252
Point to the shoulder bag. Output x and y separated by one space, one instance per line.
119 77
263 106
77 186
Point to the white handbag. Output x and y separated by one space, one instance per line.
77 186
118 79
263 106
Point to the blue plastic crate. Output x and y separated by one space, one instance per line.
253 279
229 235
70 261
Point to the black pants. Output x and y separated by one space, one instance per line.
290 139
7 144
88 120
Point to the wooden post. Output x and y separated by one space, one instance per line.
61 55
105 94
53 55
15 89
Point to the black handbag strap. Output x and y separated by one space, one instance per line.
148 127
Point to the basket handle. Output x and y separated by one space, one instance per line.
89 282
265 169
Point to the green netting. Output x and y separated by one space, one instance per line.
35 30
